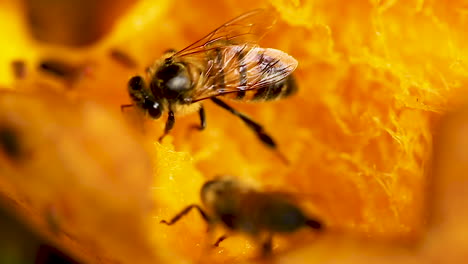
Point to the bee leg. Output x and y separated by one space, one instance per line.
122 58
202 115
169 125
257 128
122 107
219 240
202 126
314 224
186 210
267 246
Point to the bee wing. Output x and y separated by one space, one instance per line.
262 67
246 28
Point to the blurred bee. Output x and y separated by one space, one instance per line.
225 63
241 208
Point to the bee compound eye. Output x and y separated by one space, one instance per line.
136 83
155 110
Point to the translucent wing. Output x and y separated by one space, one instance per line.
246 28
245 67
232 61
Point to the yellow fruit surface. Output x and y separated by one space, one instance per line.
374 79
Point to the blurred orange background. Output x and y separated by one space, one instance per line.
375 78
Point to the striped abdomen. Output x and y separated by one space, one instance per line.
253 73
281 89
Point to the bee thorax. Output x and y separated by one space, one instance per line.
172 81
178 83
184 109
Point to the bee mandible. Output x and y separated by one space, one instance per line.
225 63
241 208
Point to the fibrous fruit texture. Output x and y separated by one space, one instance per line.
374 79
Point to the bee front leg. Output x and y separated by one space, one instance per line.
122 107
186 210
219 240
169 125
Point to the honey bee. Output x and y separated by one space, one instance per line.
242 208
225 63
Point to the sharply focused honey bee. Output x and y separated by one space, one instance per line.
242 208
225 63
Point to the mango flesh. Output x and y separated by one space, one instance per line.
374 77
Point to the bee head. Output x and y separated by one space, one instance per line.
219 189
139 94
173 79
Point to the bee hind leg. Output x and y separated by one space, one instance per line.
257 128
169 125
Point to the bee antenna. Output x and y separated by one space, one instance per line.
314 224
